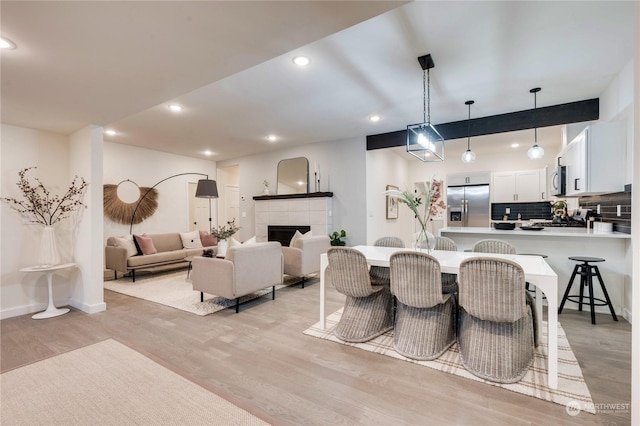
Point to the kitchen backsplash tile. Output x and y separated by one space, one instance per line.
541 210
609 209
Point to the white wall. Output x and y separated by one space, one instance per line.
146 168
342 167
20 147
386 167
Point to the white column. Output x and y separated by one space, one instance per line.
85 159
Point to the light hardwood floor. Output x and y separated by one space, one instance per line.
260 360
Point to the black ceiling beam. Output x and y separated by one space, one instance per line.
573 112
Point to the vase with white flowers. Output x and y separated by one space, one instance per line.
40 206
423 212
223 232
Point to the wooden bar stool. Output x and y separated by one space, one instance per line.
587 272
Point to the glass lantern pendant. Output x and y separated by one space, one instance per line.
423 140
469 156
535 152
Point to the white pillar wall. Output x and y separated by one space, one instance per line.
85 159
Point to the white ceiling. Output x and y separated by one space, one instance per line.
118 64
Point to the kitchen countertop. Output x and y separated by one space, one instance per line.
546 232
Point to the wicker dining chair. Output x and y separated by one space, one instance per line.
380 274
425 323
449 281
497 324
493 246
368 308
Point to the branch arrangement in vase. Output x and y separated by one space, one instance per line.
40 206
223 232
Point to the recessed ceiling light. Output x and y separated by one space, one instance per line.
5 43
208 153
515 145
175 107
272 138
374 118
301 61
110 132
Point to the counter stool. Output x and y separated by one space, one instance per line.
527 284
587 273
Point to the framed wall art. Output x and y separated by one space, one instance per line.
392 204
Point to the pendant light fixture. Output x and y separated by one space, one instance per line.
469 156
535 152
423 140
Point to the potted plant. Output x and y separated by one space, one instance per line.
336 238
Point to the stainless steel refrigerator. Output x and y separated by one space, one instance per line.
468 205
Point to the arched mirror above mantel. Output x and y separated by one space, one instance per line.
293 176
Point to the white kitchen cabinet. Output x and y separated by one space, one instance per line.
595 160
543 185
474 178
519 186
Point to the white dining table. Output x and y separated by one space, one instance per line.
536 270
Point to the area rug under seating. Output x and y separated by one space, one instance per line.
108 383
175 290
571 384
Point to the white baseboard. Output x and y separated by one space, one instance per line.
22 310
89 309
626 314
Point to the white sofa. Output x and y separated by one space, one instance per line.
245 269
304 257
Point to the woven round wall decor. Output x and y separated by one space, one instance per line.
121 211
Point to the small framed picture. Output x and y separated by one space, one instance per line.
392 204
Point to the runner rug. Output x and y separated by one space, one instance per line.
571 385
108 383
175 290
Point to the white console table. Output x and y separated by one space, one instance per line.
51 310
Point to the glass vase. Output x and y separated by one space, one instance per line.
425 241
49 254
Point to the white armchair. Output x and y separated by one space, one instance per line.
245 269
304 258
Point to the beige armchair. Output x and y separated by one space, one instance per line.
304 258
245 269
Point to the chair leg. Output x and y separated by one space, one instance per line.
591 296
584 282
133 274
566 292
201 296
273 293
115 275
302 282
606 295
237 304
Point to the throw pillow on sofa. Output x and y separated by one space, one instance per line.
299 236
234 242
191 239
207 239
127 242
146 244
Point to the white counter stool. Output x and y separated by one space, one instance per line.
587 272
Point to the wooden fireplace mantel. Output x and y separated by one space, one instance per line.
289 196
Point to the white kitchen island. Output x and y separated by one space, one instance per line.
560 243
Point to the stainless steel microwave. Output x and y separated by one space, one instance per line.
559 181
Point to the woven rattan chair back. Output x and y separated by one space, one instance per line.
492 289
389 242
349 271
415 279
444 243
493 246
